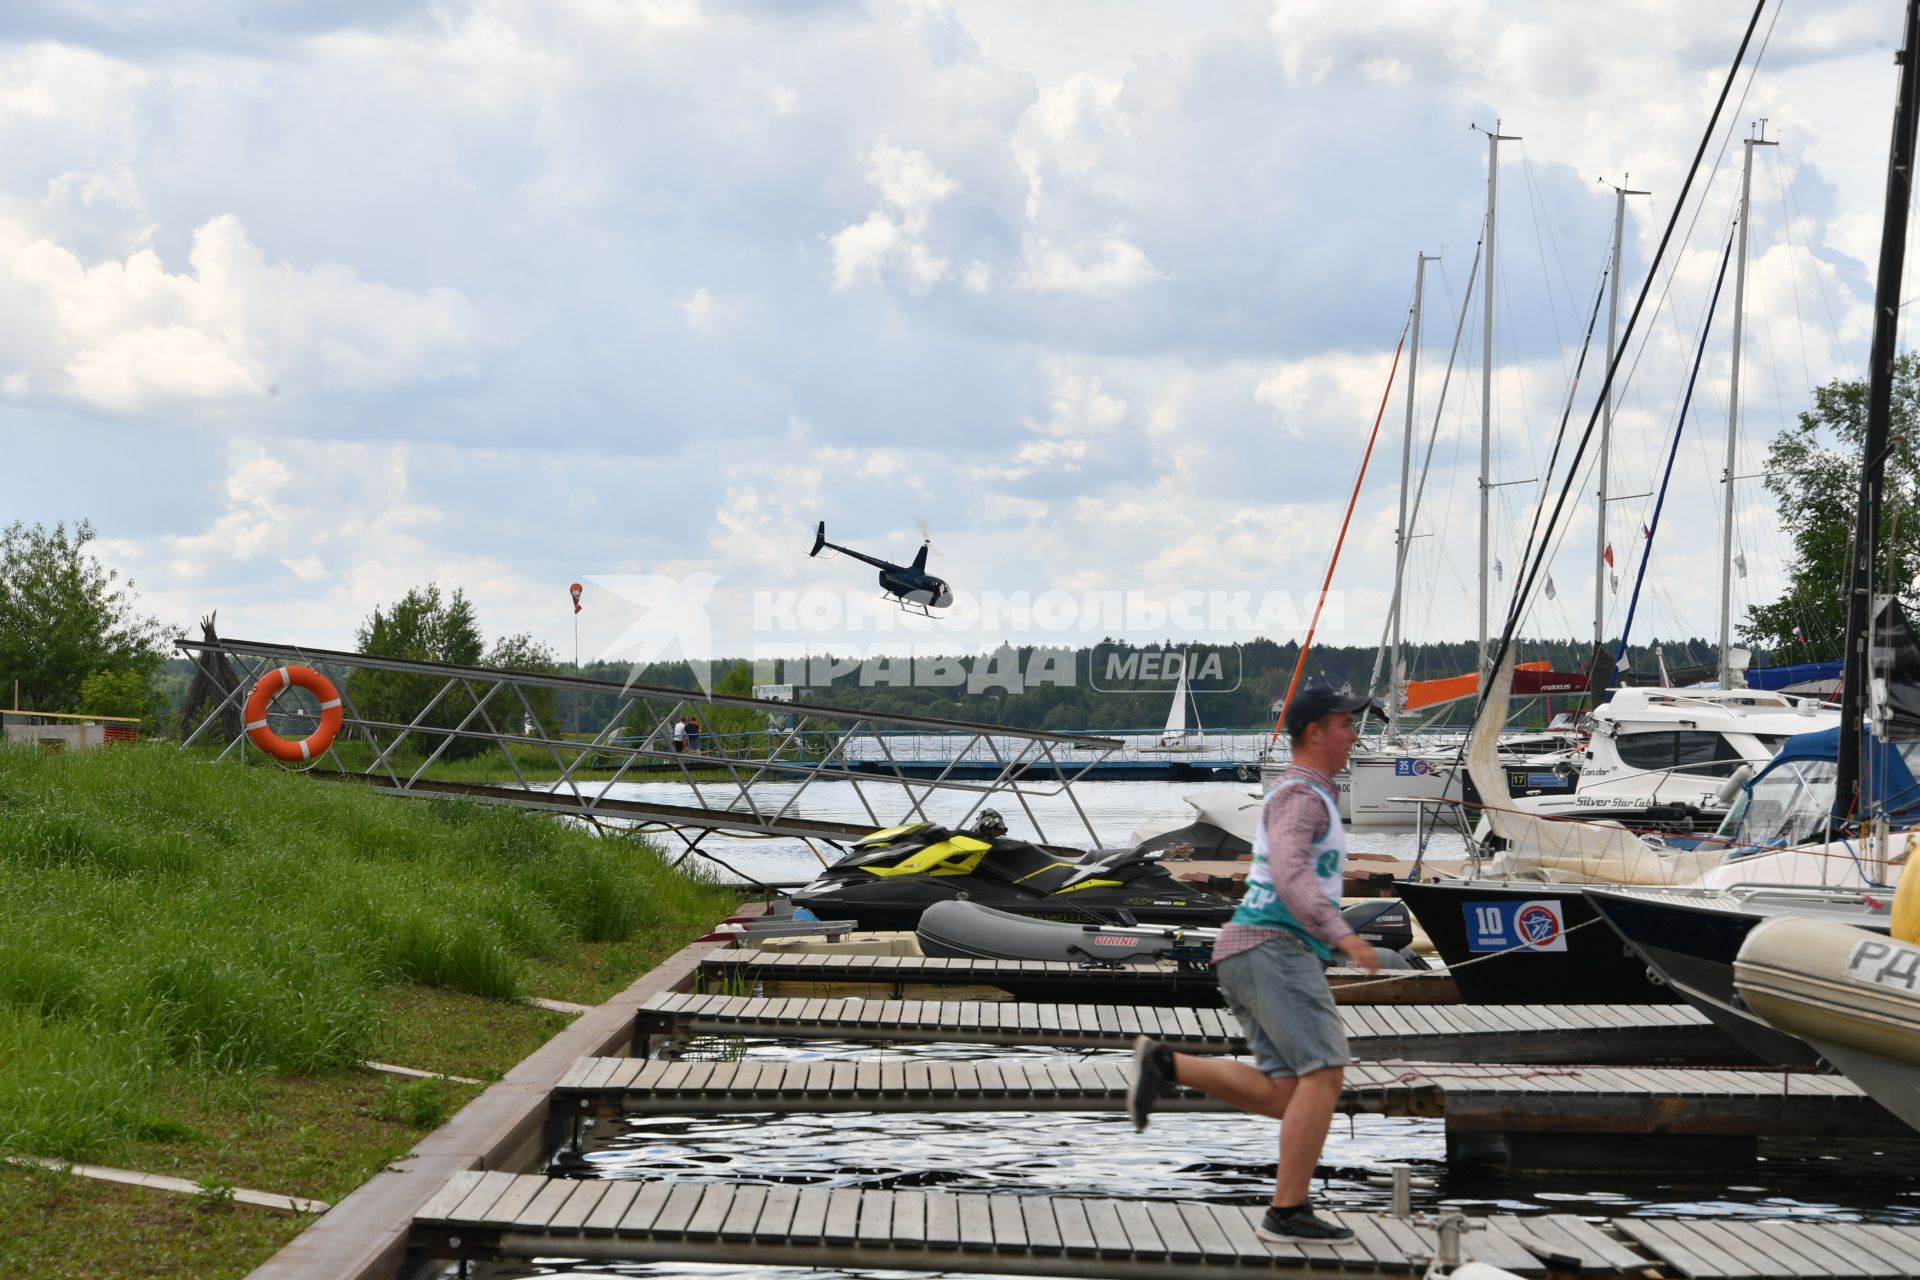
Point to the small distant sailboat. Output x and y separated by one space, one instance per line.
1176 737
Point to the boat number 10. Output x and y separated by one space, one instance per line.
1515 926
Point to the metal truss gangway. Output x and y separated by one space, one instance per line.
754 781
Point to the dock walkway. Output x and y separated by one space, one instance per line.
1530 1034
482 1215
1472 1097
1050 980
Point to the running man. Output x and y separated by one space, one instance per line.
1271 960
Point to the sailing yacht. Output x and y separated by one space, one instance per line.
1801 827
1176 737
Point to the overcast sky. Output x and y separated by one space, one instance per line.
311 301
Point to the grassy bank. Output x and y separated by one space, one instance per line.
195 959
535 764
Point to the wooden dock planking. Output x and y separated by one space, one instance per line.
1471 1096
1051 979
1084 1236
935 1230
1433 1033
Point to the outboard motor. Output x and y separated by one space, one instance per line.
1386 923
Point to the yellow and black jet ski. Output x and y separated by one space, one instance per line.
889 877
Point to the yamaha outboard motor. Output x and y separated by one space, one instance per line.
1386 923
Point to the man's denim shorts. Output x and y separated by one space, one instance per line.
1279 993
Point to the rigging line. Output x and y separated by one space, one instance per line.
1793 270
1660 502
1300 661
1833 324
1524 588
1553 459
1413 510
1540 249
1516 373
1559 257
1725 142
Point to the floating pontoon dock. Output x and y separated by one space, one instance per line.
481 1215
1553 1034
1052 979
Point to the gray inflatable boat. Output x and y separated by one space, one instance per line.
963 930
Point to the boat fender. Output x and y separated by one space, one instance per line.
1731 787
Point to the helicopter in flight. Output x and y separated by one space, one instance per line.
916 590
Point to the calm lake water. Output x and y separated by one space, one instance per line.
1217 1157
1112 809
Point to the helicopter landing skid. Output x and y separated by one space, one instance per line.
907 606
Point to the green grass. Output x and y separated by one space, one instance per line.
490 766
164 915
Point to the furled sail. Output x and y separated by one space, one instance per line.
1569 852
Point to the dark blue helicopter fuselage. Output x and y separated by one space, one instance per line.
917 588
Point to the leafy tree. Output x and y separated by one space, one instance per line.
127 692
424 627
1813 473
523 653
65 616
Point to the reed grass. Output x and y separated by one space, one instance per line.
162 913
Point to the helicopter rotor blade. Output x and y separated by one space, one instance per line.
926 535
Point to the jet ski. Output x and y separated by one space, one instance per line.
889 877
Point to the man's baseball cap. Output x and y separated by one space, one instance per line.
1315 701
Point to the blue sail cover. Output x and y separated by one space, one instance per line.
1887 781
1796 673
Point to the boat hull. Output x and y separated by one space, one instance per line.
1383 786
1594 968
1693 942
1851 994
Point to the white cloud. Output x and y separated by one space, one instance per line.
125 335
1308 396
888 242
701 312
1105 266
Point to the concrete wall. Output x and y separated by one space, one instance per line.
58 737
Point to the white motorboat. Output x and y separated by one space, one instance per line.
1662 757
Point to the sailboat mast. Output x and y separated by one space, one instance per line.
1494 139
1401 531
1620 195
1886 318
1733 417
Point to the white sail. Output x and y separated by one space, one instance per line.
1177 713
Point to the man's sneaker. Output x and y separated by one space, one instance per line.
1152 1073
1299 1223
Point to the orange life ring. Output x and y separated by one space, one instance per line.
270 686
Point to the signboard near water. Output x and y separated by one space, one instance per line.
1536 925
